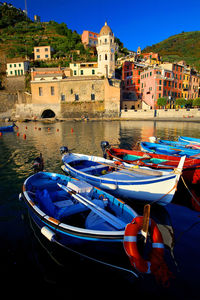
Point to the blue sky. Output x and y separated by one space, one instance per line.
135 23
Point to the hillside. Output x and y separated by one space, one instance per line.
19 35
183 46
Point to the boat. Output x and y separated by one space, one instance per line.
9 128
169 150
123 180
191 168
189 140
174 143
78 216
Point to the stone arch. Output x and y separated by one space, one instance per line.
48 113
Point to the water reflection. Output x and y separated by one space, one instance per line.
16 159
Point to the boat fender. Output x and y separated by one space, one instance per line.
49 234
156 263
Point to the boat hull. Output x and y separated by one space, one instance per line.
169 150
7 128
191 168
105 246
189 140
159 189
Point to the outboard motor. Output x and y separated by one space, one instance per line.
104 145
64 150
38 164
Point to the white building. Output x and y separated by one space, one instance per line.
106 52
17 67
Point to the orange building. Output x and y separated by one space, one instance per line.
131 77
89 38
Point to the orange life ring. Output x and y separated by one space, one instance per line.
130 245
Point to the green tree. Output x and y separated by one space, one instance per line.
196 102
162 101
181 102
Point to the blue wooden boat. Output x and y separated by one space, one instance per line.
189 140
9 128
169 150
172 143
123 180
75 215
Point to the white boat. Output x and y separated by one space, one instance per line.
123 180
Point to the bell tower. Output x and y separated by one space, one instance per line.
106 52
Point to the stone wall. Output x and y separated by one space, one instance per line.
14 84
7 101
174 114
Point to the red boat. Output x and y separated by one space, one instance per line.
190 173
191 169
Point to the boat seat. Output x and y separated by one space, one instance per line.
93 169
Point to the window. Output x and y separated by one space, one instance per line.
93 72
15 72
52 91
40 91
46 49
46 55
106 57
62 97
92 96
38 56
37 50
76 97
15 65
74 72
19 65
81 72
71 91
10 65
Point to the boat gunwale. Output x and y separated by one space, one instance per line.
73 230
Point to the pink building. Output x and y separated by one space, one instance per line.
194 87
151 81
89 38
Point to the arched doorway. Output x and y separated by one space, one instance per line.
48 113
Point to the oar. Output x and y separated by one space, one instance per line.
145 226
95 208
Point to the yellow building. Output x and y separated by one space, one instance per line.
84 68
42 53
186 84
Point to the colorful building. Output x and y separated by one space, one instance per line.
84 68
194 86
162 81
186 84
17 67
131 77
42 53
89 38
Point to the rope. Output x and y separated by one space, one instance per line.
174 187
197 202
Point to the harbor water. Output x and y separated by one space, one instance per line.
30 262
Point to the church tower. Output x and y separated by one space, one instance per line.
106 52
